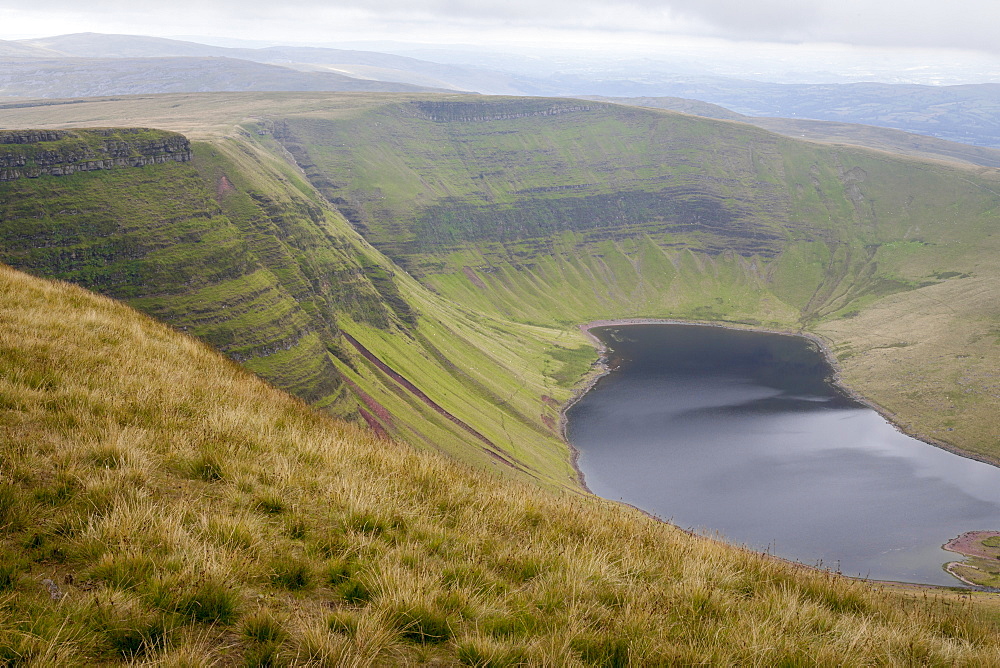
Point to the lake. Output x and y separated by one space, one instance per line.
741 434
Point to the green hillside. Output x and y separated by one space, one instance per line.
235 248
160 506
546 193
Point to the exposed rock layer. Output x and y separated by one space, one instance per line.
34 153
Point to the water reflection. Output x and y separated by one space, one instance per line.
740 432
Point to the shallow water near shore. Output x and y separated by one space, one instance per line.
741 433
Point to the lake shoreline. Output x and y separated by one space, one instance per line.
966 544
601 369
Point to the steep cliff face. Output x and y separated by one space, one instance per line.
481 112
234 248
510 204
188 241
33 153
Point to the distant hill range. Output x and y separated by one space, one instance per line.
966 113
90 64
871 136
96 77
293 68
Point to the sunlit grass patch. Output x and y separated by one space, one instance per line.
422 623
291 573
206 599
269 503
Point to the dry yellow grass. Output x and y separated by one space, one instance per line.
197 115
189 514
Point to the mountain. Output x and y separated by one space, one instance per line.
360 64
511 206
9 49
99 45
235 248
964 113
94 77
496 212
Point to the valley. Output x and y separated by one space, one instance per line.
416 267
502 213
675 217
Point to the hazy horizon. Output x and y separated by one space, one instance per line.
820 40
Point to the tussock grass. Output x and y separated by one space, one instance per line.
189 514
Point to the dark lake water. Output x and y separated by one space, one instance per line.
741 434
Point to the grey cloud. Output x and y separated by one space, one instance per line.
762 18
962 23
922 23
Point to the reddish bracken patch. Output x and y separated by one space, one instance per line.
413 389
473 277
970 544
374 424
549 401
225 186
549 421
375 407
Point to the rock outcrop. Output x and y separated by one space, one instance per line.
481 112
34 153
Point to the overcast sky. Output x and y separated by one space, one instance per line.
926 24
921 23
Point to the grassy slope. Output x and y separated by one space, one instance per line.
179 248
183 512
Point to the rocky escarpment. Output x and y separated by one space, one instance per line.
34 153
480 112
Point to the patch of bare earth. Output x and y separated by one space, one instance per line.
970 544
